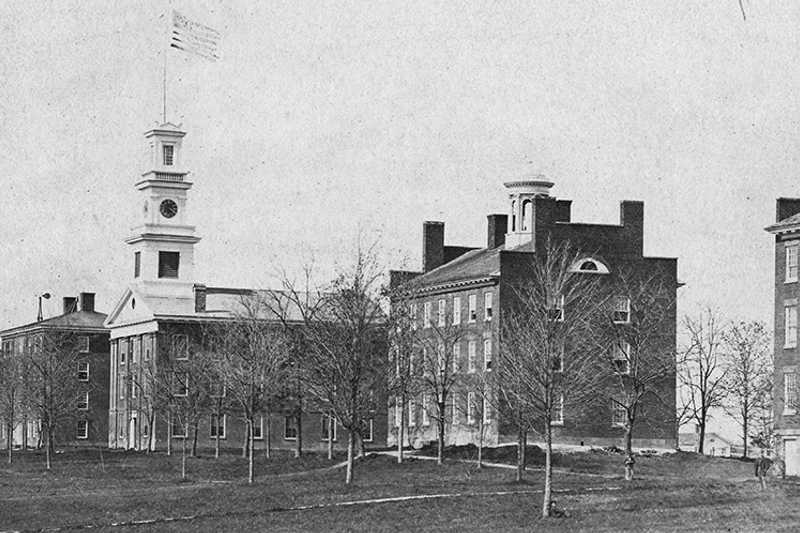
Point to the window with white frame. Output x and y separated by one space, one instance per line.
258 427
178 430
411 418
290 427
472 355
487 411
218 390
218 425
557 360
442 317
426 315
790 330
487 306
487 354
134 387
83 343
440 358
470 407
398 412
454 408
473 308
168 154
618 414
135 346
327 422
426 421
83 401
82 429
456 310
413 312
181 384
555 308
411 357
621 357
180 345
122 384
622 310
456 356
558 410
791 262
83 370
367 428
789 393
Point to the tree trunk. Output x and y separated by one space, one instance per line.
151 436
169 434
351 442
480 442
400 430
440 440
183 450
702 425
520 454
298 452
246 442
24 433
251 434
629 459
48 448
744 436
216 436
331 425
10 442
268 436
194 440
548 470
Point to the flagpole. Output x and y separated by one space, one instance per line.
164 99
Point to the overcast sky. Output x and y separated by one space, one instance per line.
325 118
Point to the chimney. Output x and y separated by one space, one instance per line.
496 229
631 218
199 298
86 301
432 245
70 304
786 207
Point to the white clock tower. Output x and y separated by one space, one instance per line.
162 244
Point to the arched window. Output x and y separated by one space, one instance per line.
513 215
589 265
526 215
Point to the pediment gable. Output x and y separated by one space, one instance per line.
131 308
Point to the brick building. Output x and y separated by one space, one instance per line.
164 306
785 405
83 325
470 287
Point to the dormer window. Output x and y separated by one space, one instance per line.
169 154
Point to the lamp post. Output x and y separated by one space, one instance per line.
46 296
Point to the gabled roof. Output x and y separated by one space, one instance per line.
786 225
79 320
472 266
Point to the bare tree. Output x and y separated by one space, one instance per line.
547 367
437 377
701 369
252 359
51 382
748 379
11 396
346 361
402 330
638 344
480 406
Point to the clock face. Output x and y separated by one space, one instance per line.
168 208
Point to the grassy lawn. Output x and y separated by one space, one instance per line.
134 486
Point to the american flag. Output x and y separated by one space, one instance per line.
194 37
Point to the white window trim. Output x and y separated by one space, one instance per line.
371 427
81 366
454 406
185 389
472 356
487 419
411 408
286 426
487 354
398 412
184 429
456 310
472 311
627 310
559 422
85 402
324 420
184 356
84 344
615 407
488 310
792 246
470 408
625 350
789 341
441 313
426 315
413 313
787 409
456 356
224 427
426 419
85 434
260 426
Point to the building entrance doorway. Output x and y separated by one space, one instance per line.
132 433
